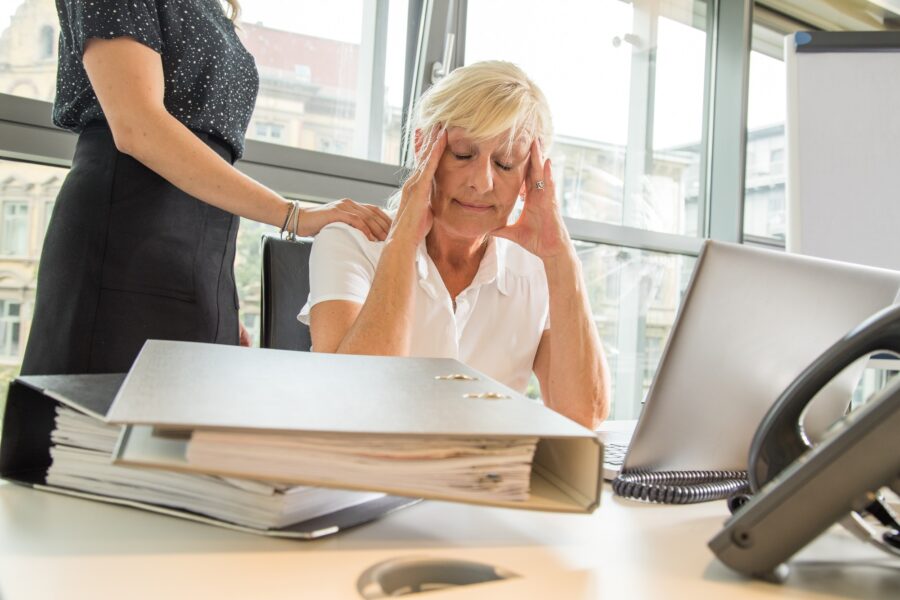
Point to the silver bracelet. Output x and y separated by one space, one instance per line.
297 211
286 233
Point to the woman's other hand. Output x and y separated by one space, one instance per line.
371 220
414 216
540 228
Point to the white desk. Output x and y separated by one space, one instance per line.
58 547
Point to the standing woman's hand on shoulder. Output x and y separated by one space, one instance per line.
371 220
414 216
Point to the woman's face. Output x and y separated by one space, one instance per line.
477 184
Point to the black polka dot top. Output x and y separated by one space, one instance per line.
210 79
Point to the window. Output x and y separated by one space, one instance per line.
628 136
14 219
628 81
338 65
47 43
764 179
331 74
764 195
268 131
634 320
15 228
10 328
25 189
627 151
28 34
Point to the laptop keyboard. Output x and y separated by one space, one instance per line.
614 454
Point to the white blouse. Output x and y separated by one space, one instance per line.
499 318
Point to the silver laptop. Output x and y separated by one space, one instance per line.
751 320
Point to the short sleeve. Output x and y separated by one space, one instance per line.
108 19
339 268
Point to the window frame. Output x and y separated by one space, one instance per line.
27 133
781 24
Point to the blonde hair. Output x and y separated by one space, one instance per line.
234 9
486 99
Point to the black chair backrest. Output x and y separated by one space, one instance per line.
285 288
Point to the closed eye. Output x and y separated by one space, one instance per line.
503 166
461 156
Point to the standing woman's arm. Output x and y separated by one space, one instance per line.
127 77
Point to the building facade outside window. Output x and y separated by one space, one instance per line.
27 193
337 66
331 74
10 329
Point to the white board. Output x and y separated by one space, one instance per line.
843 146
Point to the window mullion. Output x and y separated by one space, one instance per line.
439 18
369 130
630 340
732 21
639 153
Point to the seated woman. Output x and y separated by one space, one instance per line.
454 279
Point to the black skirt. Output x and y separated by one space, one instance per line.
129 257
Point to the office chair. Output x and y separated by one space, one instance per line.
285 287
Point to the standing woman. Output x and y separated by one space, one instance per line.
141 242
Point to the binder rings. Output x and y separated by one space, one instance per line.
182 386
25 451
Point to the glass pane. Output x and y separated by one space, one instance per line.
319 88
14 238
29 30
26 192
634 295
331 77
764 195
628 135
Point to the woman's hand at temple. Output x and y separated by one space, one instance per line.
382 325
414 215
371 220
579 388
540 228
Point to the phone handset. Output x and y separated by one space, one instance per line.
800 491
780 439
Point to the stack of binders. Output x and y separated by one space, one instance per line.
357 425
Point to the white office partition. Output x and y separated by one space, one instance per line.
843 146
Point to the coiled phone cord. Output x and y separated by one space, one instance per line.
680 487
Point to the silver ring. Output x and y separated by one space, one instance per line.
539 184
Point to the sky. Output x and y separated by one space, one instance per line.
583 65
